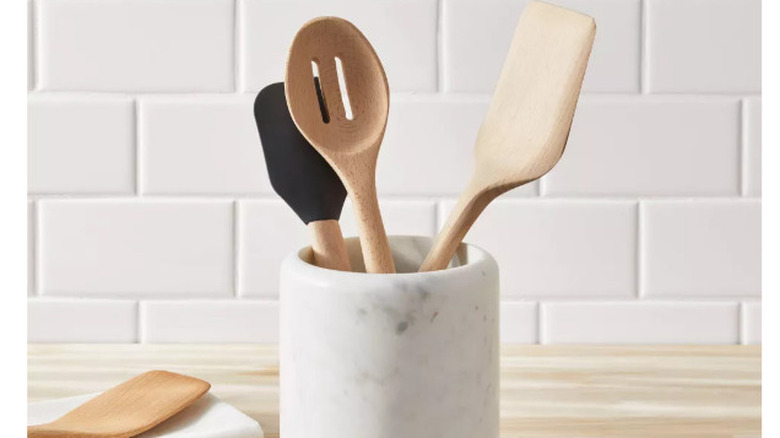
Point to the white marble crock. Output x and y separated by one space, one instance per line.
407 355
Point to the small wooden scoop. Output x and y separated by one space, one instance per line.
127 410
528 122
302 177
347 135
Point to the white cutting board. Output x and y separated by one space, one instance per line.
208 417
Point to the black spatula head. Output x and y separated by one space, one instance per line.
297 171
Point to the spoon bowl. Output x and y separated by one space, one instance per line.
318 45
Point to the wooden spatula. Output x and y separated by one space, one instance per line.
129 409
302 177
528 121
343 112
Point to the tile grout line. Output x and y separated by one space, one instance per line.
540 331
644 77
440 47
32 33
237 59
33 224
140 326
138 331
740 323
639 241
137 146
236 248
742 148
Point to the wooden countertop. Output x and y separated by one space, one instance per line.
546 391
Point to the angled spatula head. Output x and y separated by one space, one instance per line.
297 171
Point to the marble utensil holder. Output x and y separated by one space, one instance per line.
412 355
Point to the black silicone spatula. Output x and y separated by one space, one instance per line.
302 177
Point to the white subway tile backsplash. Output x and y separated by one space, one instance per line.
135 247
751 323
147 181
79 145
477 36
209 321
704 46
519 323
559 249
403 33
270 231
650 146
75 320
701 248
639 323
136 45
201 145
752 156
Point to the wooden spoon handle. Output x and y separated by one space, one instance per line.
373 239
470 204
40 431
327 243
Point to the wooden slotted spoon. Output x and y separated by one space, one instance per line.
349 144
128 409
528 121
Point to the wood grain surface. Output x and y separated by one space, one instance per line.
546 391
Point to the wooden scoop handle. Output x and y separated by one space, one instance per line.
373 239
470 205
327 243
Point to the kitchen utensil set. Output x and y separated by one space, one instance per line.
338 97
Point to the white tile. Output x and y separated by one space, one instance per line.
701 248
403 33
210 321
519 323
80 144
477 36
136 248
707 46
136 45
401 218
751 323
752 156
201 145
650 146
81 321
639 323
269 231
550 248
428 148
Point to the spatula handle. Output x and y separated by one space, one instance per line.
40 431
462 217
327 243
